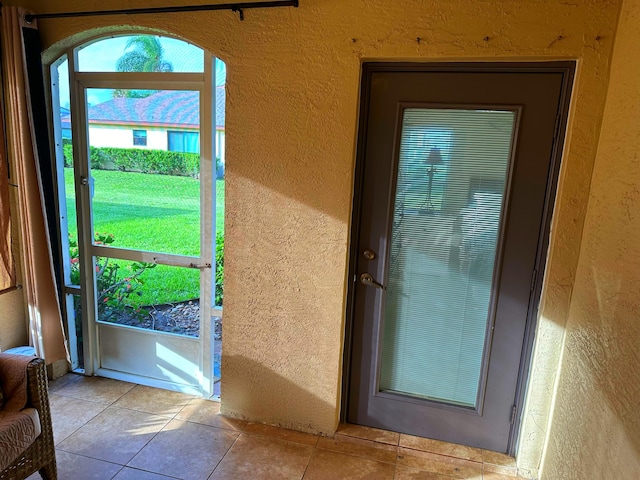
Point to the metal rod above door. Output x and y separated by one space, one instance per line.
235 7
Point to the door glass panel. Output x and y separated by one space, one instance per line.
449 197
145 194
149 296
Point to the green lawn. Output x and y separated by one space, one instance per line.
159 213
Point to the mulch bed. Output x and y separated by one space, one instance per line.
182 318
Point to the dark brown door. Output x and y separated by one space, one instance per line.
455 174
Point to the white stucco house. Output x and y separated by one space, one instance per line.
167 120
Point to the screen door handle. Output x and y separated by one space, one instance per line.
367 279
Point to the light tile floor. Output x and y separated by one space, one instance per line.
105 429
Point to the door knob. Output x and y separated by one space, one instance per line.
367 279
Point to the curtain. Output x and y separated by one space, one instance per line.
7 267
44 317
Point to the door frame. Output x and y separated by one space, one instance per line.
79 81
567 69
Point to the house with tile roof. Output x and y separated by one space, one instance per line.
166 120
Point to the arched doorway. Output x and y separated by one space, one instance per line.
139 133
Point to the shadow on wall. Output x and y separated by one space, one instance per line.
597 399
288 405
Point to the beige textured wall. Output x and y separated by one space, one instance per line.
596 424
292 103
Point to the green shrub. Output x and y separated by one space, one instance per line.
140 160
152 161
114 286
99 160
219 268
67 149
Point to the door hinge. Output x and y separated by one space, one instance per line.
514 412
534 277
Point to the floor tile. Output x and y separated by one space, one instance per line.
499 463
69 414
101 425
498 476
132 474
263 458
408 473
207 412
185 450
114 435
496 458
441 448
154 400
369 433
281 433
380 452
93 389
427 461
78 467
329 465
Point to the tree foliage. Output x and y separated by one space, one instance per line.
147 56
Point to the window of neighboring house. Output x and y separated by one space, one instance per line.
180 141
140 138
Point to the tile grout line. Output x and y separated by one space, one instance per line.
79 398
116 474
131 410
225 455
395 468
306 467
95 459
105 406
481 462
146 471
263 435
148 442
361 456
241 430
443 455
76 430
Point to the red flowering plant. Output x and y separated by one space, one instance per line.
115 283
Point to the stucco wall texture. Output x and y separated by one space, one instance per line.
596 425
292 106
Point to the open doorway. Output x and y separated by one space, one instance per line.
139 129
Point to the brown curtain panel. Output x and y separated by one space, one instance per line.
7 266
45 320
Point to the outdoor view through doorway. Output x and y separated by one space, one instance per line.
139 127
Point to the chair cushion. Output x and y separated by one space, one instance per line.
18 430
13 377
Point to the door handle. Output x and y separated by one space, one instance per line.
367 279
